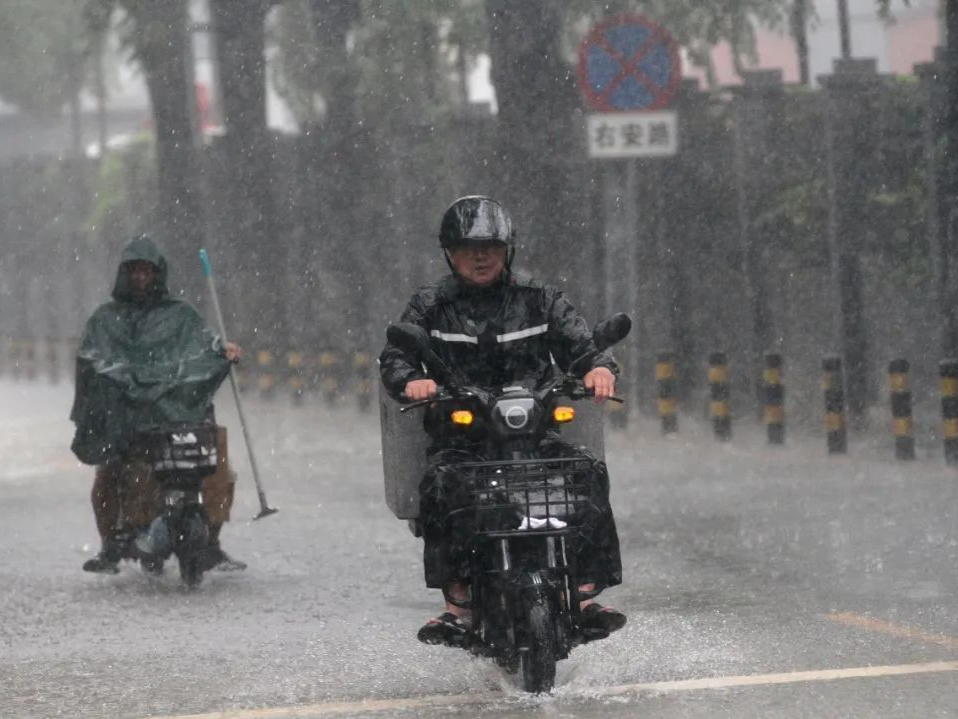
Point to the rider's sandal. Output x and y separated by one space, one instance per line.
101 564
214 558
107 560
597 617
447 629
226 563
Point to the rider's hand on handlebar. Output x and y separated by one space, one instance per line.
602 381
234 353
421 389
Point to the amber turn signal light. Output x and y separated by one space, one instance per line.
563 414
462 416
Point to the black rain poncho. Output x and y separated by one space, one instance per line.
140 364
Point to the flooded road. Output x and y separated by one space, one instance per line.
760 581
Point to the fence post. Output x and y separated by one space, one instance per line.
665 379
720 408
948 371
834 388
774 398
902 423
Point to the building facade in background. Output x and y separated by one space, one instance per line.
909 38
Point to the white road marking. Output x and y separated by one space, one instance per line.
372 706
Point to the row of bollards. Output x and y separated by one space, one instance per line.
773 393
325 373
30 359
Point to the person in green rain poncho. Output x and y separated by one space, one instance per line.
145 360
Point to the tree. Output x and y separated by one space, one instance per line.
239 30
157 34
42 53
536 96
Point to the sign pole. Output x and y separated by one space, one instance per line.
629 72
632 263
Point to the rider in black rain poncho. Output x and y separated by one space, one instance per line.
496 327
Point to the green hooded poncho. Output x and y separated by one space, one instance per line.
141 364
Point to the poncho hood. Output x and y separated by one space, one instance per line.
141 248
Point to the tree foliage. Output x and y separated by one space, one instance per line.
43 46
394 45
404 57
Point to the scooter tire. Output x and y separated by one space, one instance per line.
191 570
537 664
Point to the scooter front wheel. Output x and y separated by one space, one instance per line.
537 661
191 569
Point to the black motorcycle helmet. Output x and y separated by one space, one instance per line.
477 219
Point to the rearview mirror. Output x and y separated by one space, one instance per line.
612 330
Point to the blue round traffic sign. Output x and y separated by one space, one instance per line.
628 62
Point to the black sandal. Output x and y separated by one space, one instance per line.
446 629
597 617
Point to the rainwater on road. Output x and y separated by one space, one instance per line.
759 581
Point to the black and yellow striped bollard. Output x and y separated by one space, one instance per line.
30 359
948 372
902 423
834 389
774 392
16 358
265 379
362 366
329 375
618 414
720 407
666 383
53 361
15 367
70 353
295 362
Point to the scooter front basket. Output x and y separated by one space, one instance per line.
528 495
181 451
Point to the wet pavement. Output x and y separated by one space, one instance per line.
779 565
